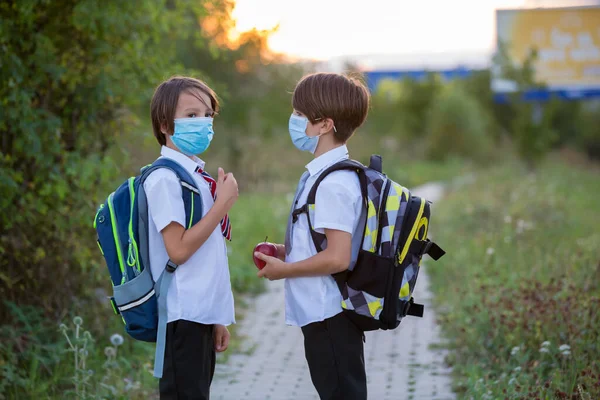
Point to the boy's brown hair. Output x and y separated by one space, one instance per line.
327 95
166 96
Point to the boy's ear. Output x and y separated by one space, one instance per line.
327 126
163 128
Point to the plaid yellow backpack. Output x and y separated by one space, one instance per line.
377 287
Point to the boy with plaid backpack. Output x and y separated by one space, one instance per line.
353 243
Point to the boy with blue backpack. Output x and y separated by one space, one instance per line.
163 235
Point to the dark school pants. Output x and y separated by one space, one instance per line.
335 355
189 361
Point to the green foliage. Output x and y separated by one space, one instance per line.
256 216
589 138
523 271
74 70
42 360
533 134
457 126
529 123
402 108
26 358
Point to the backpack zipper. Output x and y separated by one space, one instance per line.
413 231
133 259
98 212
113 221
382 204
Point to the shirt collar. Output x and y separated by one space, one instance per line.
327 159
188 163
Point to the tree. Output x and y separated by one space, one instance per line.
72 72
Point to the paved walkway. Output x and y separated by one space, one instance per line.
271 366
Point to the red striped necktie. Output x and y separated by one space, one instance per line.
212 184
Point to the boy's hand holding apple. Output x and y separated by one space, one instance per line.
268 258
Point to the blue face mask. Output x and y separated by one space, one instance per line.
297 127
193 135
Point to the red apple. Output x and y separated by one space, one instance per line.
265 248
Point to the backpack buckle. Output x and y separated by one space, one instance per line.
298 211
413 309
171 266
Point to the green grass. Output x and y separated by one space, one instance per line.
520 279
255 216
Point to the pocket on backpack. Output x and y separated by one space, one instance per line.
371 274
137 304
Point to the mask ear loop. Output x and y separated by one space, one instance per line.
318 119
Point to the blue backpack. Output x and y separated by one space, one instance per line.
122 227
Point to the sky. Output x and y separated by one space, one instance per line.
325 29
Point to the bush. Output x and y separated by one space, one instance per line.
400 109
458 126
41 360
533 133
589 140
73 71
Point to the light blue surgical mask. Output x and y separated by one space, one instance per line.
297 127
192 136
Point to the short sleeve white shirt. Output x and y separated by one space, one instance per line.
338 205
201 288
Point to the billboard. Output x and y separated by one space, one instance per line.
567 41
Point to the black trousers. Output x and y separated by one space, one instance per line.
335 355
189 361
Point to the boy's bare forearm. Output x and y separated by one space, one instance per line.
326 262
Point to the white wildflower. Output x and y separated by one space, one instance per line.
544 350
566 353
110 352
546 344
116 339
514 351
512 381
564 347
507 219
490 251
517 369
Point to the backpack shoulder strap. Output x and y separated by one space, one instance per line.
183 175
351 165
193 211
191 194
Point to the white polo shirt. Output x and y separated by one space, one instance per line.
338 205
201 287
